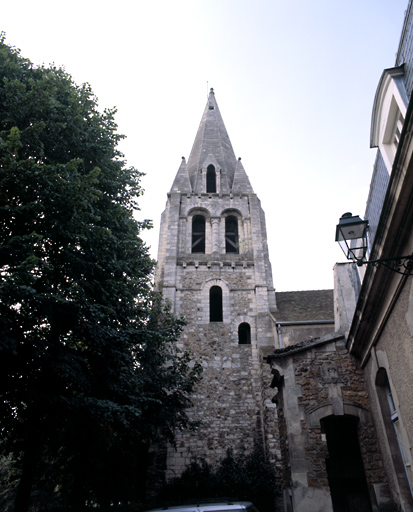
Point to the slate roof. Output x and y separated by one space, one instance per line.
304 305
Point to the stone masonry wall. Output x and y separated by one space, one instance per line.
315 372
276 429
228 402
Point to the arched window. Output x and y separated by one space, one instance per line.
198 234
244 334
211 179
396 442
215 304
231 234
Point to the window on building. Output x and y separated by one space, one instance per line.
231 234
394 417
198 234
396 441
392 132
389 111
211 179
397 129
215 304
244 334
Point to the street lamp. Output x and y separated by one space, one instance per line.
351 234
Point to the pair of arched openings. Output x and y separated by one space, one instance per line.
198 234
216 315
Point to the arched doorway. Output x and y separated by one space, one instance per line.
345 470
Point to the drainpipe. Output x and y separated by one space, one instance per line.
278 327
297 322
280 340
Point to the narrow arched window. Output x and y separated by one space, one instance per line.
215 304
198 234
211 179
231 234
396 441
244 334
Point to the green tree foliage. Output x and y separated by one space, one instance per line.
242 477
89 369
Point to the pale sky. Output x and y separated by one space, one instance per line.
294 81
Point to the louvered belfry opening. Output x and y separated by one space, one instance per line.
231 234
198 234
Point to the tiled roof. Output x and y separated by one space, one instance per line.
304 305
302 346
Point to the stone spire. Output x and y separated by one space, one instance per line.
212 146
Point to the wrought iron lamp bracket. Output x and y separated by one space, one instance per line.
402 265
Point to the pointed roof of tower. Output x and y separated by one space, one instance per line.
241 184
212 141
181 182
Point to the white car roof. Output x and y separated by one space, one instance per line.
205 506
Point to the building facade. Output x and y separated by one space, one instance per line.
381 334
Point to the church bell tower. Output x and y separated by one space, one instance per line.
213 264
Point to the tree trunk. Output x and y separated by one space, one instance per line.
24 488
